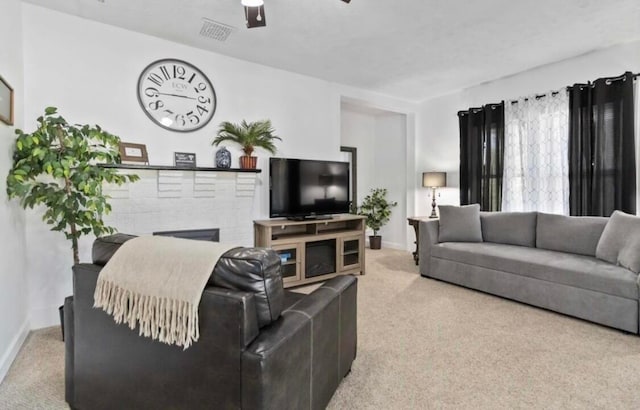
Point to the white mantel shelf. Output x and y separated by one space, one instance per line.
172 168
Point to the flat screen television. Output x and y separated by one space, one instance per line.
302 189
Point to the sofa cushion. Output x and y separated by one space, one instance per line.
585 272
629 256
255 270
460 223
512 228
573 234
620 241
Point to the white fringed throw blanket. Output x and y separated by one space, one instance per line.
157 281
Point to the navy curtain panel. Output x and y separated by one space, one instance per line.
602 163
482 156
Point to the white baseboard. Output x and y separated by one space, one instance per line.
394 245
14 347
44 317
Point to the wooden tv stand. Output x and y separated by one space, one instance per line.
314 250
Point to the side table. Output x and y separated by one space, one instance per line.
415 222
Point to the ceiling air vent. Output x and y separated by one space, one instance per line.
215 30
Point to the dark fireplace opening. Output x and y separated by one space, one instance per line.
212 234
320 258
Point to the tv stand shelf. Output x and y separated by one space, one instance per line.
314 250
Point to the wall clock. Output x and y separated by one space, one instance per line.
176 95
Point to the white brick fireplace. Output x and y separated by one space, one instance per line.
168 200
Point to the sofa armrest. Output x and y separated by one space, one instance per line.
68 351
299 360
110 360
428 237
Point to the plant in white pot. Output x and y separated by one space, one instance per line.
377 210
258 134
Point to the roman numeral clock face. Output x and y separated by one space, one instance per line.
176 95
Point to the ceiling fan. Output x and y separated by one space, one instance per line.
254 12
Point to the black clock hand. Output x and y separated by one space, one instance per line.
178 95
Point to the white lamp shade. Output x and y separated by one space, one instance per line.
252 3
434 179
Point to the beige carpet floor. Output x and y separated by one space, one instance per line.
426 344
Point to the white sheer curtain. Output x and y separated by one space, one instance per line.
536 158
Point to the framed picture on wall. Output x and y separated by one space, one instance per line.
133 153
6 102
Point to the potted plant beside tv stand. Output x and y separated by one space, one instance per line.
314 250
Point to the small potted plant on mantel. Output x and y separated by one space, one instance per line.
377 210
258 134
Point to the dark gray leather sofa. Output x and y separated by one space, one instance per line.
540 259
260 347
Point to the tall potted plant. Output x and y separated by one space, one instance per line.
258 134
377 210
57 166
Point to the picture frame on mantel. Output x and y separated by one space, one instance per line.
6 102
184 159
131 153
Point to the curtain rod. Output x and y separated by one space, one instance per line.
589 84
478 109
608 80
537 96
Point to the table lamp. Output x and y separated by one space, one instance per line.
434 180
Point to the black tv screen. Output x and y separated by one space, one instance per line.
302 188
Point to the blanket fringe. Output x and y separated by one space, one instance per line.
167 320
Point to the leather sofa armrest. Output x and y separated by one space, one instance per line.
299 360
276 366
86 276
428 237
246 307
208 372
68 351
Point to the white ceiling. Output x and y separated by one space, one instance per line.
411 49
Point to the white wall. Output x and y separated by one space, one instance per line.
358 129
437 122
381 139
90 71
13 282
390 158
437 148
380 104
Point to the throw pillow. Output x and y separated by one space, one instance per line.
620 241
460 223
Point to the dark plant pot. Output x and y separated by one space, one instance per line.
248 162
375 242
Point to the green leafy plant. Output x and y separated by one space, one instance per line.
56 166
259 134
377 209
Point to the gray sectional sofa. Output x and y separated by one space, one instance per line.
540 259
